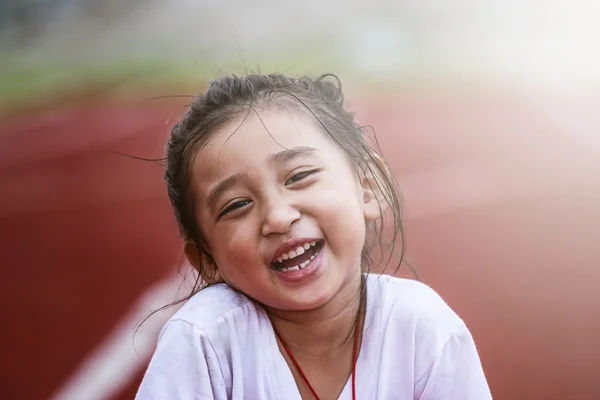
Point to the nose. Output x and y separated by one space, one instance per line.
278 217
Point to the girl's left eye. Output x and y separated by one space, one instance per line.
300 176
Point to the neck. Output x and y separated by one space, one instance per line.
324 331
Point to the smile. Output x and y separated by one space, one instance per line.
298 258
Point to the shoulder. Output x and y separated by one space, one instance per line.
413 307
422 335
191 358
224 318
213 307
215 332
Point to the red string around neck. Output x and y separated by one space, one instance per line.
354 358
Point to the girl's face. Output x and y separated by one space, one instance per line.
282 210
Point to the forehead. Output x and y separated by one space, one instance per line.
248 140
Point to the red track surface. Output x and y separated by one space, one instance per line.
503 209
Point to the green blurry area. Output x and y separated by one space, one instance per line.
30 80
26 86
69 51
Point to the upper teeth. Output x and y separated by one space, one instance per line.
295 253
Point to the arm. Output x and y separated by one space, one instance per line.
456 373
185 366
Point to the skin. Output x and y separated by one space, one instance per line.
311 191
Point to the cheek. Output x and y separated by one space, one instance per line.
341 214
234 246
342 196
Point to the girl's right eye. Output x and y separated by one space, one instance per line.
233 206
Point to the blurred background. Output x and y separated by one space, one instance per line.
487 111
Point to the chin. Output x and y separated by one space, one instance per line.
310 304
309 300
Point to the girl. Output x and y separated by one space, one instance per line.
281 202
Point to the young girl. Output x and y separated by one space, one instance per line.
281 202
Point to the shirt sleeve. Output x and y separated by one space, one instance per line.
185 366
456 374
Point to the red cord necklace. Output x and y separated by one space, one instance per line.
354 358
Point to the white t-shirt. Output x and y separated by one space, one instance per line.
221 346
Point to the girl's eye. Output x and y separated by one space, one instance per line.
233 206
300 176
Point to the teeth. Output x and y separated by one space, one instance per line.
299 266
295 253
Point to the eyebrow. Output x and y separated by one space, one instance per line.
290 154
281 157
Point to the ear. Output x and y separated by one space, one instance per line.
372 182
206 268
193 254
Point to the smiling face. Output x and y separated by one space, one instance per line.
282 210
